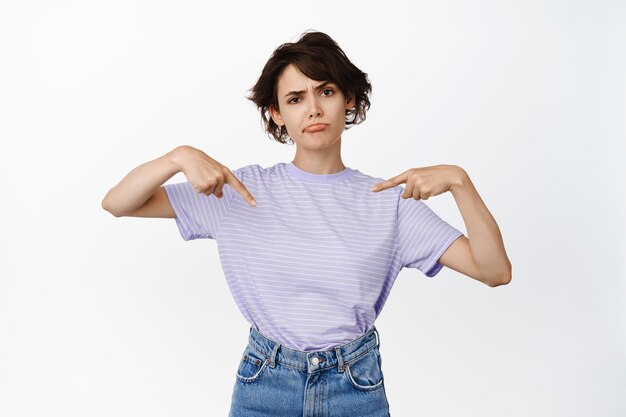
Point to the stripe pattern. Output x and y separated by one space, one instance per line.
312 265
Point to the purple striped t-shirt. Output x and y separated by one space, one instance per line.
312 265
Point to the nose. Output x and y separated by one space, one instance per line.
315 109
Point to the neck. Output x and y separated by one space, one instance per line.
319 161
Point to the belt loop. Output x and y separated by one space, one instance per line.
340 366
273 357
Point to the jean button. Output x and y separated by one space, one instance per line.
315 360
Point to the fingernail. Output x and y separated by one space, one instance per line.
253 202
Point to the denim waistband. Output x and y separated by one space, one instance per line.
317 360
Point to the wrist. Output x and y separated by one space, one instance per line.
177 155
459 178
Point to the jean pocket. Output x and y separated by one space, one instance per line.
365 372
252 365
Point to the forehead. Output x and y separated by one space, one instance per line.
292 79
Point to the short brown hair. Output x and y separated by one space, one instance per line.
318 57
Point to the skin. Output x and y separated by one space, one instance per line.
482 256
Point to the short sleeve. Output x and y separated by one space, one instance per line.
198 216
423 236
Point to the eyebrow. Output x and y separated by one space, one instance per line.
324 84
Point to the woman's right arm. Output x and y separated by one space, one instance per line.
140 192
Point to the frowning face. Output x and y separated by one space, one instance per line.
312 111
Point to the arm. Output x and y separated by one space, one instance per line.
481 255
141 189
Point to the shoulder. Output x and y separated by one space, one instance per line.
258 170
368 181
247 171
257 173
361 184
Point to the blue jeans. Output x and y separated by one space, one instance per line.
273 380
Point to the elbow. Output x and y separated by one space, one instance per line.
503 279
106 207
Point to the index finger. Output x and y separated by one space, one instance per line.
391 182
233 181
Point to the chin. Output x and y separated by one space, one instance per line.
319 146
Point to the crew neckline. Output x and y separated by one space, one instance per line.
318 178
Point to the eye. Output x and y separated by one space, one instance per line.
327 95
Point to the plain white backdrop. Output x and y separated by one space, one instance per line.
106 316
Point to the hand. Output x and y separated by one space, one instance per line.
207 175
422 183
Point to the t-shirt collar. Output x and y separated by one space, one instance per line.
318 178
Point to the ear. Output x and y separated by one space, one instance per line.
351 102
275 114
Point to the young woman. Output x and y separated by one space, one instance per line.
310 248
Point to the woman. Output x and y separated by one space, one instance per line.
311 248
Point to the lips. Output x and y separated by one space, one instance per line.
316 128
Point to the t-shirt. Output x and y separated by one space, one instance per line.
312 265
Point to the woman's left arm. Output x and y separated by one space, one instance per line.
481 255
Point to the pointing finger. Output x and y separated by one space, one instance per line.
391 182
234 182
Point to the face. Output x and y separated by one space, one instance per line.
304 102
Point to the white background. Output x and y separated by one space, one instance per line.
106 316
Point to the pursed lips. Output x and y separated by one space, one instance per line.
315 128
